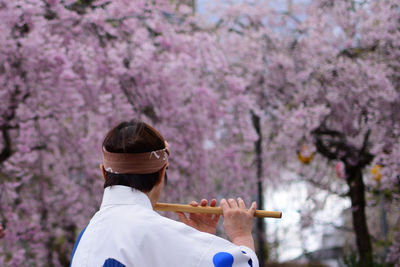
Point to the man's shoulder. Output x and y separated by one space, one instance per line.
138 221
134 214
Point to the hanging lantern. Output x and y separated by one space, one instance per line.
305 154
340 170
376 175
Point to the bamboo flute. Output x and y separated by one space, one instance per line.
210 210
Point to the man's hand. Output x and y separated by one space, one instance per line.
202 222
238 221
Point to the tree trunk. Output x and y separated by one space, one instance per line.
357 196
260 223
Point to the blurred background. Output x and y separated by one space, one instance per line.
294 104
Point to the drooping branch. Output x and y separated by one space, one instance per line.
6 151
126 83
337 140
356 52
333 145
365 156
325 187
365 142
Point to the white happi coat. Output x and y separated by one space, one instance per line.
128 230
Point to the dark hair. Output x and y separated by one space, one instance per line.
133 137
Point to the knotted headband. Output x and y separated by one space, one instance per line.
135 163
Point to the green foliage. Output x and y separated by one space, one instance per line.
293 264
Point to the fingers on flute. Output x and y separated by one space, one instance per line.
241 203
213 202
232 203
214 217
252 208
224 204
194 204
194 216
203 202
182 217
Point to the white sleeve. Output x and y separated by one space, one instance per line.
223 253
180 245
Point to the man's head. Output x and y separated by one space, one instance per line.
133 137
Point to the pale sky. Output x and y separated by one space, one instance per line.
291 199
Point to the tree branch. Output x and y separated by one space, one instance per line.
337 148
356 52
6 151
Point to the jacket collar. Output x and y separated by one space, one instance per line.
124 195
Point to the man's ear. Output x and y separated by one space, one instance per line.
161 174
103 171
